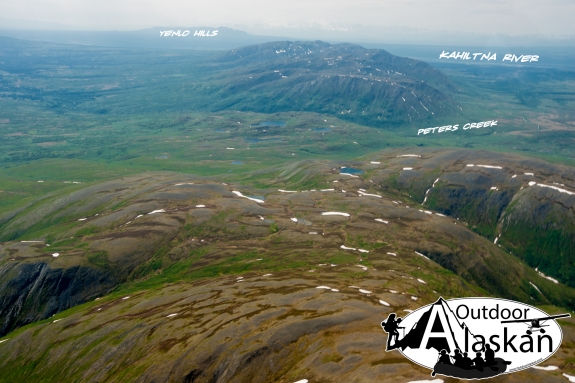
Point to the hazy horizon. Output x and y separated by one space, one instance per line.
363 18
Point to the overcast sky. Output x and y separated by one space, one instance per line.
512 17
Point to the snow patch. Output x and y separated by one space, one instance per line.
335 213
546 277
490 166
560 190
368 195
536 288
250 198
546 368
422 255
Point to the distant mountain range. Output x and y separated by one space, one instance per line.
201 37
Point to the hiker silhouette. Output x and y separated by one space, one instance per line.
391 327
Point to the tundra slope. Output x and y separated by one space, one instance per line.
131 229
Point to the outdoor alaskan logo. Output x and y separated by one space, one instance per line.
474 338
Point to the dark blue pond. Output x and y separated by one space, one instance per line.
351 171
237 163
321 130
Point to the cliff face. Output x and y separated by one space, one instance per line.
33 291
539 227
527 206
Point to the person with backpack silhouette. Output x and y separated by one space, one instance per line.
391 327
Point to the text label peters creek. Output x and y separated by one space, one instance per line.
453 128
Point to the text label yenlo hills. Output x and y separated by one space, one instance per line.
179 33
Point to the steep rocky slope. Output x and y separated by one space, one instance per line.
525 205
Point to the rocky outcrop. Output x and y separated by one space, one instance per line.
33 291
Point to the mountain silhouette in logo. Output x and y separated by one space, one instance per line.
445 333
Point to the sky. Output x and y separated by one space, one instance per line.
551 18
